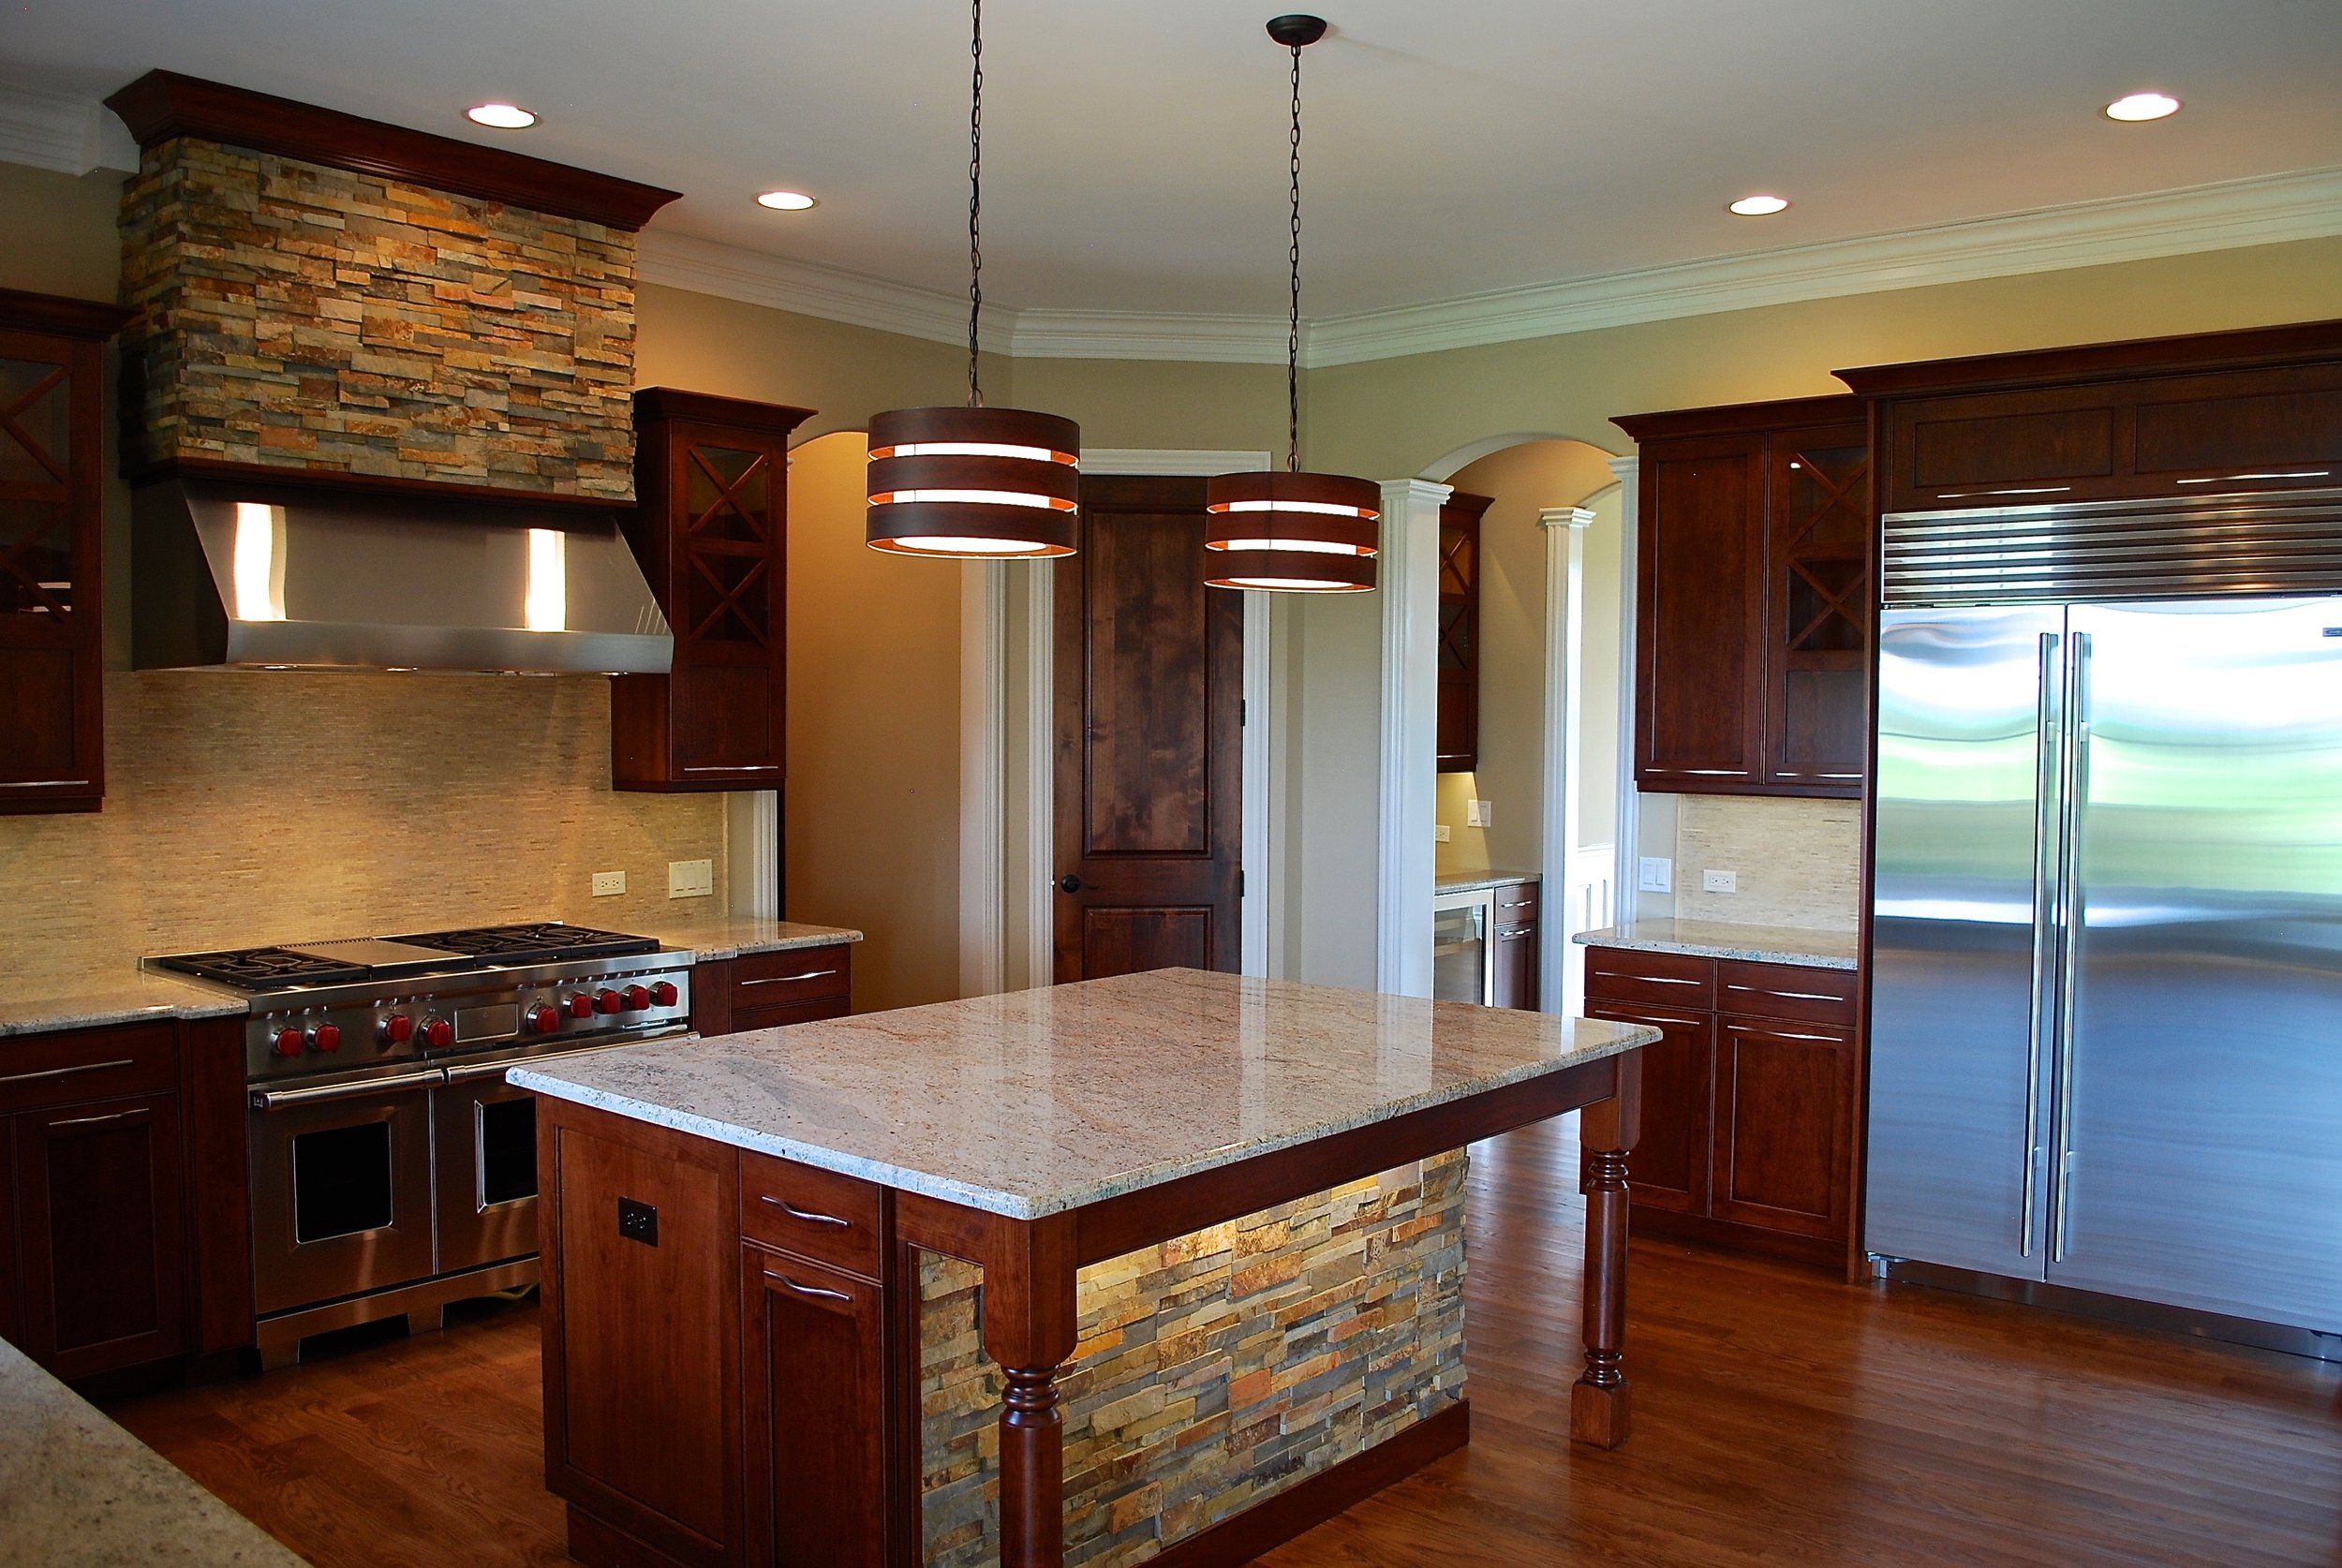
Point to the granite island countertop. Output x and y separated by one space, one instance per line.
110 987
1722 939
77 1491
1032 1103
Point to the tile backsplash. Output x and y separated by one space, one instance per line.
1797 862
269 806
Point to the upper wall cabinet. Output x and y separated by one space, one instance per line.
52 596
1752 629
711 529
2220 413
1459 631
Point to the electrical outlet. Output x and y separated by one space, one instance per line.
638 1222
690 879
1719 882
1657 876
1442 834
609 883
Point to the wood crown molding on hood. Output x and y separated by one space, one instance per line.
163 104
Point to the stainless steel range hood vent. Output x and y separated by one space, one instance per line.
227 574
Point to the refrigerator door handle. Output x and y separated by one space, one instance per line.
2074 788
2047 746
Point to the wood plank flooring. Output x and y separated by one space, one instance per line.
1780 1418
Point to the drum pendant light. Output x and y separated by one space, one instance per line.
972 481
1292 532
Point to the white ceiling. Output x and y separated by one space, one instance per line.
1134 155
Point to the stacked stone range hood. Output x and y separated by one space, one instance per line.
377 404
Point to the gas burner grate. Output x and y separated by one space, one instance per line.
543 943
264 968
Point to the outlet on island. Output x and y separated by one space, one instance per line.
608 884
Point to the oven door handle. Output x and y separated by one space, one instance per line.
465 1073
284 1100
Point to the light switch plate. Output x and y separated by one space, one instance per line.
1657 876
690 879
608 883
1475 813
1442 834
1719 882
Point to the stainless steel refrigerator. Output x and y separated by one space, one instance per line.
2106 1031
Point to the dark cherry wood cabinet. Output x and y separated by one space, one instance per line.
1460 564
1749 1103
711 529
52 592
1514 932
2215 413
768 990
1753 598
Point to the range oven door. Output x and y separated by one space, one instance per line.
486 1135
341 1189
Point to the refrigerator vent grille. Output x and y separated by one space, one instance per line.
2190 547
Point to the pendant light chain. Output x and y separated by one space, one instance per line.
975 193
1293 322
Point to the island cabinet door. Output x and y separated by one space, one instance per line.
814 1411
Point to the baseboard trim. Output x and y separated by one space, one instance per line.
1274 1521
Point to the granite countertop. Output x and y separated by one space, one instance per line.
110 988
1467 881
77 1491
1036 1101
1722 939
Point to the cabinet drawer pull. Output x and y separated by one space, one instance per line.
1643 979
1514 935
92 1121
805 1214
1788 996
782 979
808 1290
1788 1034
735 767
66 1071
1517 904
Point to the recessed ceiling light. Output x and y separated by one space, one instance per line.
2142 106
785 200
1760 206
500 117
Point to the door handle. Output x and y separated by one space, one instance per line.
273 1100
2047 779
1069 883
806 1290
2073 921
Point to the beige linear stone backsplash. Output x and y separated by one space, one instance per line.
270 805
1797 861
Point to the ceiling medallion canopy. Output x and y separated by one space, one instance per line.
972 481
1289 531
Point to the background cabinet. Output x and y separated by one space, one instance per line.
1514 970
51 598
711 530
1753 598
1458 723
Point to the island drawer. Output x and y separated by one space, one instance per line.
1651 979
813 1213
88 1064
764 979
1809 996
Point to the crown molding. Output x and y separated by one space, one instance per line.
63 134
2233 214
810 288
1120 334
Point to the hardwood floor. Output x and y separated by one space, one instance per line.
1781 1417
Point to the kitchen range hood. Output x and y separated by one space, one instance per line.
258 574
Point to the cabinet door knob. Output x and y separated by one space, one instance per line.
1069 883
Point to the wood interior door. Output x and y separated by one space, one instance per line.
1149 739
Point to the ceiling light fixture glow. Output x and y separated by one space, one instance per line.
2137 108
500 117
786 200
1760 206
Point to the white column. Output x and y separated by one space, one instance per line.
1564 680
1628 871
1407 868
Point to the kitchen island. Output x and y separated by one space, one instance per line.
762 1253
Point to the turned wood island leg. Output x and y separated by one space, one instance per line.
1599 1401
1028 1328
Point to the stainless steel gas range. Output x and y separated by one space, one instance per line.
394 1170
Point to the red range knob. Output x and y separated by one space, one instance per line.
664 993
328 1038
637 997
397 1029
607 1001
288 1042
438 1033
544 1017
580 1005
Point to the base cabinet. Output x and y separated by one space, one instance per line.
101 1231
772 990
813 1339
1748 1101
